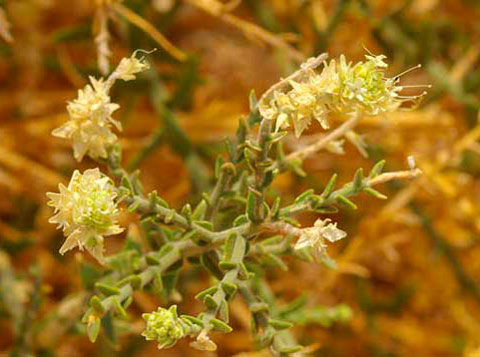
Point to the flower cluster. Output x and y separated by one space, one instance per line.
86 210
91 122
166 327
314 237
341 88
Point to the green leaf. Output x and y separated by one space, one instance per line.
109 328
199 211
229 289
220 326
157 283
242 219
107 289
269 176
280 324
152 260
296 167
375 193
205 224
193 320
93 327
119 308
377 169
229 246
96 304
330 186
346 202
275 261
227 265
223 311
250 211
210 302
304 196
289 349
358 180
276 207
211 290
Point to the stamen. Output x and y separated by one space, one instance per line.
418 86
139 50
408 70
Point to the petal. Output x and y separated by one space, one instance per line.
72 241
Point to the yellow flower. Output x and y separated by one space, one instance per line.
86 211
91 121
341 88
314 237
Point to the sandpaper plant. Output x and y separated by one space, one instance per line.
236 231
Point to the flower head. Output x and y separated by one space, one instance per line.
314 237
341 88
91 121
166 327
86 211
129 67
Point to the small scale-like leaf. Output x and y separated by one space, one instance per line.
358 180
346 202
107 289
93 327
377 169
210 302
375 193
199 211
97 305
304 196
220 326
227 265
330 186
240 220
211 290
280 324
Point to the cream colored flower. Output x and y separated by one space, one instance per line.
86 211
314 237
341 88
91 121
203 342
129 67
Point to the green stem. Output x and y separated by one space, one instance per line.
230 278
223 182
264 144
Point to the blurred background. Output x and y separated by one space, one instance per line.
410 268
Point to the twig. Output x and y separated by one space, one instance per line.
398 175
219 10
323 142
101 39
